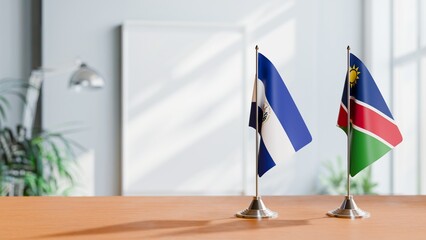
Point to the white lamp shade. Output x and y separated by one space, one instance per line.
86 77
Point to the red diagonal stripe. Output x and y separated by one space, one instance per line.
375 123
371 121
342 119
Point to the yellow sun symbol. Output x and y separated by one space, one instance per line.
353 75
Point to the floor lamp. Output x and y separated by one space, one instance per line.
83 77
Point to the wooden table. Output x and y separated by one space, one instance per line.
300 217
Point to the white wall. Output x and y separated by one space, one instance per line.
306 40
395 44
15 48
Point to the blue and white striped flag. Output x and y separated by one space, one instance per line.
281 127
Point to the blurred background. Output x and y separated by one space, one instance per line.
172 116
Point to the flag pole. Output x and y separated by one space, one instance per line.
257 122
348 209
257 208
349 132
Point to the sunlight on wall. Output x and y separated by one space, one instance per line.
267 12
405 107
212 47
285 33
405 33
188 94
397 60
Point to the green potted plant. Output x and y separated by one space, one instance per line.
334 180
37 165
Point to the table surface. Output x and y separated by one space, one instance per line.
300 217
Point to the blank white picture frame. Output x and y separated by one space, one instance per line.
183 109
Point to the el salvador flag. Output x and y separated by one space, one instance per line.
281 127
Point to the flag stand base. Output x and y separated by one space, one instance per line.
349 209
257 209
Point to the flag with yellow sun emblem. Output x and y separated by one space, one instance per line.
373 131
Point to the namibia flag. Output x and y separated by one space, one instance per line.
373 131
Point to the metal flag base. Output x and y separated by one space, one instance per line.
257 209
349 209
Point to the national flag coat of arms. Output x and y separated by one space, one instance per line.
373 131
281 127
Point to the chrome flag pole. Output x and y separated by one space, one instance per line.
257 208
348 209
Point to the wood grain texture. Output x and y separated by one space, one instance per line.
300 217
